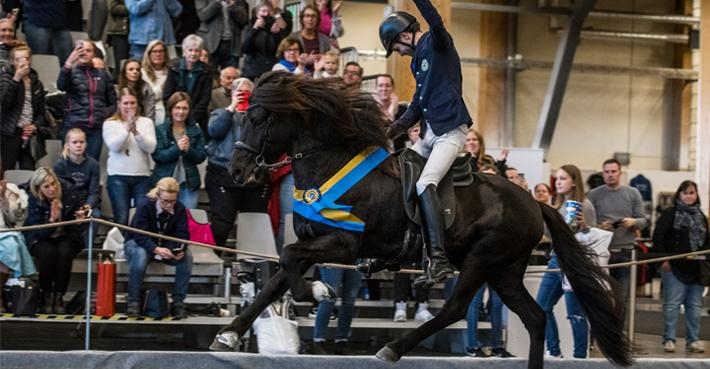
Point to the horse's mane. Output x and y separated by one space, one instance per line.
336 115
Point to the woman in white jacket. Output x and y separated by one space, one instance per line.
130 139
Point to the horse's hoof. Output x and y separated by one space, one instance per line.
387 354
322 291
227 341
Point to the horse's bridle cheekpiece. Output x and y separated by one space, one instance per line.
318 204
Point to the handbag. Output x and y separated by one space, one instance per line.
276 333
199 232
155 304
22 298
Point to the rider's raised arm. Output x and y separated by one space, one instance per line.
441 37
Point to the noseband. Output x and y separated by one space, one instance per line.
259 158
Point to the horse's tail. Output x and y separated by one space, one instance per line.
596 291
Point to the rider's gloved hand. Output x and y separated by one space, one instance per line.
395 129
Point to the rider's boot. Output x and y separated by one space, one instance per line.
433 229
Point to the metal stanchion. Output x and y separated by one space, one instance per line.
227 280
87 303
632 296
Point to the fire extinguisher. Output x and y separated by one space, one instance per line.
106 288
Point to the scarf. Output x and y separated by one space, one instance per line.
289 66
690 216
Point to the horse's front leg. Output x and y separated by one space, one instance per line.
337 247
228 337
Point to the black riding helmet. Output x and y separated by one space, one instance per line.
394 24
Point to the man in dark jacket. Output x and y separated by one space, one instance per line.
161 213
438 103
46 27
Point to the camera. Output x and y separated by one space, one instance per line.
617 223
269 21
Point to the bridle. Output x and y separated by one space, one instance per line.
259 158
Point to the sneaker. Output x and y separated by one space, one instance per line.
501 352
400 312
319 348
548 355
695 347
177 311
133 309
476 352
669 346
423 315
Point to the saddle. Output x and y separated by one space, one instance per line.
411 165
459 175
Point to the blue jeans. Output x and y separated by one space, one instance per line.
43 40
285 207
676 293
496 314
138 260
121 190
188 197
136 52
350 280
548 295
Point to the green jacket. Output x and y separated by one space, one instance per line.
166 154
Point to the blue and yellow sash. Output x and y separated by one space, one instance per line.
318 204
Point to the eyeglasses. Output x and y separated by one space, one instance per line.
167 202
292 50
157 51
352 72
310 15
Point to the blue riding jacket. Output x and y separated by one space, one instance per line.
437 71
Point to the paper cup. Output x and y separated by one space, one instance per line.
572 207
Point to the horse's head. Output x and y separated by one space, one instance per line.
290 113
263 146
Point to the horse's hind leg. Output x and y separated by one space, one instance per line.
509 286
228 337
454 309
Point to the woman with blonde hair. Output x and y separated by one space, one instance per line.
154 68
130 139
161 213
83 170
476 146
52 200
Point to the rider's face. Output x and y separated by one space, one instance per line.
402 44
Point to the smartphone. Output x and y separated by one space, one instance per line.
617 223
88 213
179 249
244 105
78 44
15 11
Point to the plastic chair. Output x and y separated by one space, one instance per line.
47 67
289 233
254 234
18 176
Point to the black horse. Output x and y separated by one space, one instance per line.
322 126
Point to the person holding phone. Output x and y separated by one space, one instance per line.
90 99
22 101
260 40
226 199
163 214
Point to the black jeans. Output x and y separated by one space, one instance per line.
13 153
54 259
226 201
402 289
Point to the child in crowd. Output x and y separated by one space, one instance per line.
327 65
